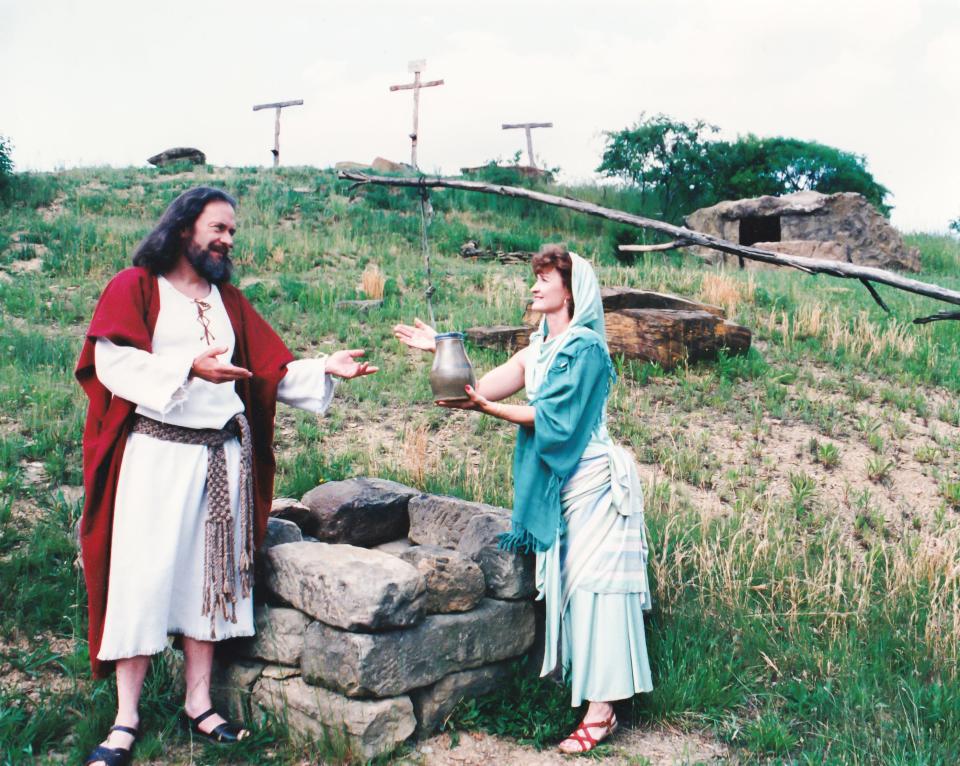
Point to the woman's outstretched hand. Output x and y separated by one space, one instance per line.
475 402
344 364
421 335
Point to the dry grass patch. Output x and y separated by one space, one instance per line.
721 289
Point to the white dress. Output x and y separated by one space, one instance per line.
156 560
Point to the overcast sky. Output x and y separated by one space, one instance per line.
110 82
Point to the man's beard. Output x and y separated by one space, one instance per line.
216 269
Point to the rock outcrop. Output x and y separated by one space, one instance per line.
840 226
178 154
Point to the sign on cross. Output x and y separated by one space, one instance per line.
276 126
528 126
416 67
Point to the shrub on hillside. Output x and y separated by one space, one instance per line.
6 169
682 166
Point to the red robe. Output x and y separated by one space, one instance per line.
126 314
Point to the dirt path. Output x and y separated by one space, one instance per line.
629 747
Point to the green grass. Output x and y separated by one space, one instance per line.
788 635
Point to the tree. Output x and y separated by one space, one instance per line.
955 225
756 166
687 170
663 157
6 169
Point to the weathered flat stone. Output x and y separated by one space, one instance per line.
441 520
289 509
343 585
358 511
454 581
385 664
508 575
279 636
371 727
434 703
231 685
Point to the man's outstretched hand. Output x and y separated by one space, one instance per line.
344 364
208 367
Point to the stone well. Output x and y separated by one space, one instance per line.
379 609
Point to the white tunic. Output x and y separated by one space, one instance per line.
156 561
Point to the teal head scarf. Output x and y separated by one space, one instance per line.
587 304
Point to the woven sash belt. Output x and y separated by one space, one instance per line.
219 567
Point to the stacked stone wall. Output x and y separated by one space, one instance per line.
379 610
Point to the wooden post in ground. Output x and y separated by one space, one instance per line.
278 105
416 67
529 126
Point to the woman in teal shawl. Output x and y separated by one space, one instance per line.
578 502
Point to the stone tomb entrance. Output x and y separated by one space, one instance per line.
840 227
379 609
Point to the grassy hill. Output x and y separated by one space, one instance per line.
802 500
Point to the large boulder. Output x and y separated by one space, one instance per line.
845 218
507 575
346 586
365 727
357 511
386 664
178 154
441 520
383 165
454 581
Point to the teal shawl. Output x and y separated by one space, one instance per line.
573 373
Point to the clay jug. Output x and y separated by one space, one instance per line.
451 369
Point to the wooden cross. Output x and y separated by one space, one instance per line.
416 67
528 126
276 126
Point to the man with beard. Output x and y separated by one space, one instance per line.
183 376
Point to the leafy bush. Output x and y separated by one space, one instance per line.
510 175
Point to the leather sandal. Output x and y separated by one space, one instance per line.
223 734
114 756
585 741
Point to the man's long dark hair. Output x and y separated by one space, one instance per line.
161 248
